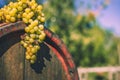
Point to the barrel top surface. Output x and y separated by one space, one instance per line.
8 28
52 41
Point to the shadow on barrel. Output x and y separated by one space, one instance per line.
43 53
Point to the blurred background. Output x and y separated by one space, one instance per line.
89 28
91 31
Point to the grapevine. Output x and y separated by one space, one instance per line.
31 14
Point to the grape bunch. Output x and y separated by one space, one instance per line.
31 14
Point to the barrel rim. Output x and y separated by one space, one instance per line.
71 71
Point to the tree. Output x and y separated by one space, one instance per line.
82 34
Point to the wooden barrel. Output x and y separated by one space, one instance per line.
54 62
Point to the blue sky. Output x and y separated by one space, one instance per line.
109 18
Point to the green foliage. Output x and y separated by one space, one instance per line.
87 42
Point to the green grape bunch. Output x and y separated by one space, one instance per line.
31 14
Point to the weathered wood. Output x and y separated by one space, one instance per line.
1 68
13 63
11 57
110 70
47 67
99 69
53 59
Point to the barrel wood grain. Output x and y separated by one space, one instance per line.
11 57
1 68
13 63
47 66
54 62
